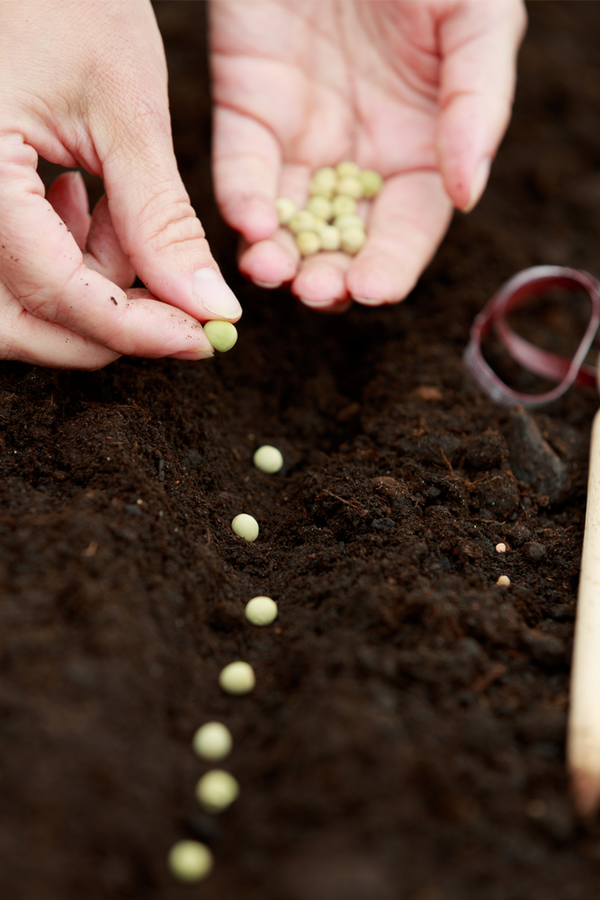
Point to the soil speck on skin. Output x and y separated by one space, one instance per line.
405 739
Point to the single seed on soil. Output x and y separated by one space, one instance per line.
371 182
331 238
349 220
308 243
217 790
190 861
347 168
303 220
323 182
245 526
222 335
500 548
504 581
343 205
320 206
350 185
237 678
268 459
261 610
286 208
212 741
353 239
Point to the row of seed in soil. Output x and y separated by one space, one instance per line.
191 861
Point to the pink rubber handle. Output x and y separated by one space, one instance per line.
513 294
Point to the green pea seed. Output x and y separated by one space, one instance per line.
212 741
347 168
268 459
371 182
304 220
343 205
245 526
350 185
330 237
348 221
261 611
308 243
217 790
190 861
237 678
323 182
286 208
353 239
320 206
222 335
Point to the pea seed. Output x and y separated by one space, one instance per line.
308 243
347 168
245 526
353 239
501 548
303 220
222 335
261 611
350 185
371 182
320 206
285 209
330 237
212 741
217 790
504 580
323 182
268 459
343 205
349 221
190 861
237 678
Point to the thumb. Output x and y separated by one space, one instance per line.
479 40
155 223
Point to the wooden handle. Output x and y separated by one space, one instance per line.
583 746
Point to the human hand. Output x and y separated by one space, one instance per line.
84 84
419 91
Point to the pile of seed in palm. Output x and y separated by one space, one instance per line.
330 221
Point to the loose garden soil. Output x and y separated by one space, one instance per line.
405 740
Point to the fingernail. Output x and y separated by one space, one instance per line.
270 286
365 301
215 295
478 183
193 354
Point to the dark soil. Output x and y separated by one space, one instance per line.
405 740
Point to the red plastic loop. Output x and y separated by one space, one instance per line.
513 294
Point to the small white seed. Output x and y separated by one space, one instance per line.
501 548
371 182
351 186
353 239
212 741
237 678
349 220
303 220
323 182
343 205
245 526
268 459
222 335
190 861
286 208
320 206
261 611
347 168
504 581
217 790
330 237
308 243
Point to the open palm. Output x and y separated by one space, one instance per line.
420 91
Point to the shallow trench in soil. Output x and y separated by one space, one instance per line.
405 740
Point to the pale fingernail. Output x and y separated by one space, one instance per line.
270 286
478 183
215 295
365 301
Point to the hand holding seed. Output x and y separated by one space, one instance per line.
418 92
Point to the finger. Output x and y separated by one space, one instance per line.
408 220
270 262
246 164
28 339
103 251
151 213
43 268
479 43
69 199
321 281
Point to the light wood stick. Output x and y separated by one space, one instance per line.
583 745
